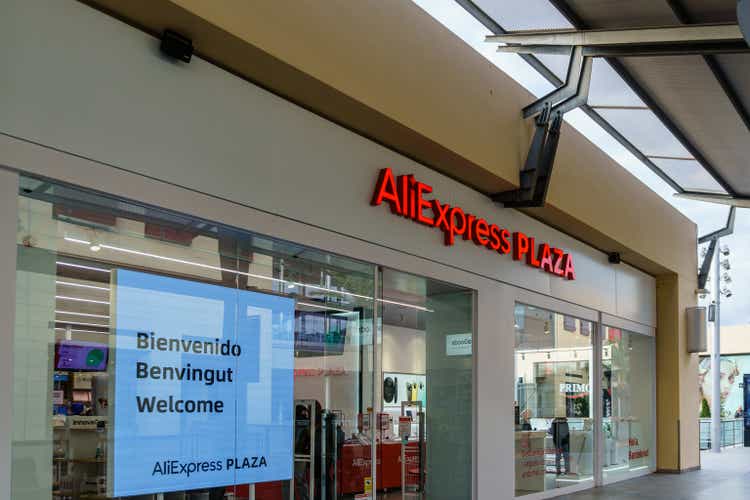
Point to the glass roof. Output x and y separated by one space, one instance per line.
608 89
609 95
557 63
513 15
689 174
645 131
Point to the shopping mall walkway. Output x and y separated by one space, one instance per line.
722 477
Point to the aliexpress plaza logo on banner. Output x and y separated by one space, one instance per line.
405 195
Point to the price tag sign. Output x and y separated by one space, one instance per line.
404 427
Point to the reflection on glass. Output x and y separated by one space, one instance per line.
627 402
553 413
69 243
427 374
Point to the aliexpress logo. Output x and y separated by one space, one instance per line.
406 198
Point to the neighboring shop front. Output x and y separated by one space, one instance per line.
218 293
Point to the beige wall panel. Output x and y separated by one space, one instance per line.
405 67
635 292
667 375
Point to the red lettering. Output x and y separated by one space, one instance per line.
441 215
406 197
412 198
558 261
504 242
456 215
520 245
422 204
530 257
494 243
404 192
545 258
481 232
570 272
469 233
385 190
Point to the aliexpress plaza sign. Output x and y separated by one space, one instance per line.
406 197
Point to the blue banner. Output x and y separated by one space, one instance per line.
203 386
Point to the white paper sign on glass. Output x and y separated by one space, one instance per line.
203 386
458 344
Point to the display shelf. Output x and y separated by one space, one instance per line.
82 460
88 460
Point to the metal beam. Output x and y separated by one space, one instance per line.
636 50
684 17
721 199
713 238
743 16
720 233
548 75
705 268
564 92
694 33
572 17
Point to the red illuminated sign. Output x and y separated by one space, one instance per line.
406 197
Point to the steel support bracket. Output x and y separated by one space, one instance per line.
713 239
536 173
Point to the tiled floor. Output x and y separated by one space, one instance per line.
725 476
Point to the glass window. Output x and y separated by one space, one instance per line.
627 402
427 374
689 174
554 439
219 370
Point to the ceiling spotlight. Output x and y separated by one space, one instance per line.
726 292
724 250
726 278
725 264
95 246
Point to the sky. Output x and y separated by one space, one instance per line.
707 216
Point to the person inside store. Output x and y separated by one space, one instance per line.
525 419
561 438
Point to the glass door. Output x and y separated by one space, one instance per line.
627 400
425 402
554 413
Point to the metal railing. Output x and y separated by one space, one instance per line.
732 432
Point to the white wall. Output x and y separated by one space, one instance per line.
102 91
404 350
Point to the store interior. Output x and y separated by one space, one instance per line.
353 382
554 415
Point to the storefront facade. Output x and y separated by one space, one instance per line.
526 366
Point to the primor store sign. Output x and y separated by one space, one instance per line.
406 197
